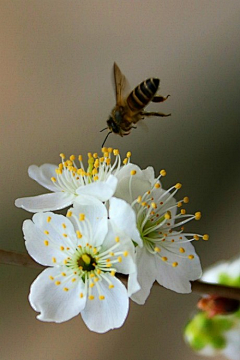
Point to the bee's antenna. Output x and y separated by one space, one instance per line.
104 129
106 137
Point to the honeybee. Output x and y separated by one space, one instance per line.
129 109
217 305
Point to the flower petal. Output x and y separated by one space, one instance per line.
178 278
43 174
123 217
55 302
124 245
110 313
95 225
45 240
46 202
139 183
102 190
146 275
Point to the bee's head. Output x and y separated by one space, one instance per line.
112 125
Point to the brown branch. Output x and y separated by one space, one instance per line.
13 258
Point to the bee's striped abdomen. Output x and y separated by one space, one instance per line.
143 94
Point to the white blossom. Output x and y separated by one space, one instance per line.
167 255
83 252
69 182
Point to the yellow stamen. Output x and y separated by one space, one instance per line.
46 243
198 215
205 237
178 186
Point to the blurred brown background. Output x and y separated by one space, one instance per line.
56 60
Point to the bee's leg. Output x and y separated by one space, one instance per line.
148 114
159 98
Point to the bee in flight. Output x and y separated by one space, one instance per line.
129 109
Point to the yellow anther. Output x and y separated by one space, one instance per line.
191 257
129 154
144 203
62 156
65 289
179 204
91 275
96 279
74 279
81 295
157 249
205 237
125 161
91 297
65 235
112 273
164 258
49 219
94 172
111 254
81 217
178 186
198 215
57 282
104 149
86 258
46 243
89 155
64 226
101 297
110 150
108 265
182 250
98 271
53 179
94 250
186 199
58 171
196 237
163 173
168 215
54 259
79 235
111 286
69 213
46 232
95 155
106 154
125 253
133 172
69 162
101 159
92 285
60 166
154 205
174 264
157 185
51 277
61 248
63 274
95 178
115 152
139 199
119 259
172 240
108 161
183 211
117 239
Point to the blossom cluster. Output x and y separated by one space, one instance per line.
119 220
219 334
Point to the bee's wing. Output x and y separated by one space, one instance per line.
121 85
